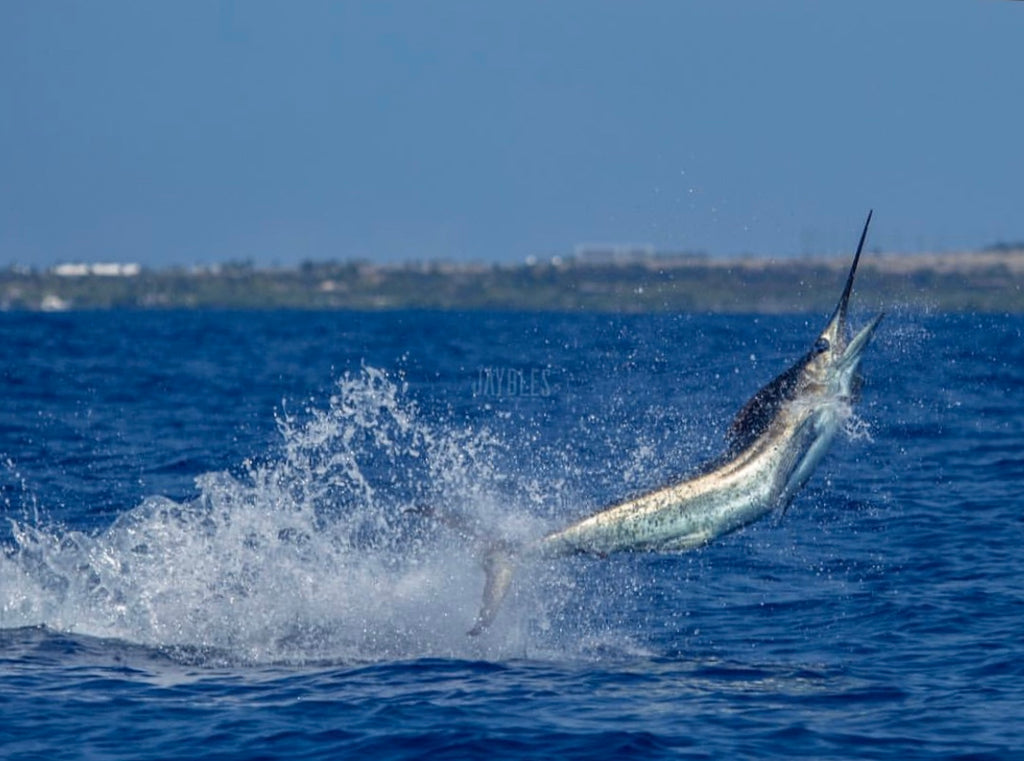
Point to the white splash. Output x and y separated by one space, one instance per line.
857 428
309 553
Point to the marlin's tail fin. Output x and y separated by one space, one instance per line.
498 561
499 564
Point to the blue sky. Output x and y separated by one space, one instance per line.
189 132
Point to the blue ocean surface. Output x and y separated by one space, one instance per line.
214 543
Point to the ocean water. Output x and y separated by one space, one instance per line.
213 548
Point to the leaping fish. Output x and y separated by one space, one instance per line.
774 443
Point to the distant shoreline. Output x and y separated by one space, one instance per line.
631 282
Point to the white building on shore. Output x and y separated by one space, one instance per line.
98 269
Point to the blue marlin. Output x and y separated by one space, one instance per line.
774 444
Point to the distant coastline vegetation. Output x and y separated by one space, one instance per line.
613 280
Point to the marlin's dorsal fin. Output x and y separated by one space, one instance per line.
756 415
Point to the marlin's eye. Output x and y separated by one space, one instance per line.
821 345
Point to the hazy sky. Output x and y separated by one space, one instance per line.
189 132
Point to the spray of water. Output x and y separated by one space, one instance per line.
315 551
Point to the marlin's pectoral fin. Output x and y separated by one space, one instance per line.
498 567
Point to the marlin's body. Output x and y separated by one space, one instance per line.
776 441
688 514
